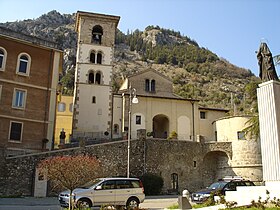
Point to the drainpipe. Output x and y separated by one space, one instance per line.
46 100
193 127
112 116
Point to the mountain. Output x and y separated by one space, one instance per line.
195 71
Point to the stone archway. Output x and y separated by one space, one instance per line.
160 126
216 166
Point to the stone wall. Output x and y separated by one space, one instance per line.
195 164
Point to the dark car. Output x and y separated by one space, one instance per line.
220 187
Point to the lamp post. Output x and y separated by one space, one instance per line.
132 100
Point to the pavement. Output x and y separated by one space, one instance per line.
151 202
52 203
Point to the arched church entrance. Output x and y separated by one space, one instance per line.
160 126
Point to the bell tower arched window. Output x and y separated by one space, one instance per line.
92 57
91 78
98 78
99 57
97 33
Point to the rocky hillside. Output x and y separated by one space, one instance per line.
196 71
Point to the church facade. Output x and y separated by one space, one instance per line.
100 114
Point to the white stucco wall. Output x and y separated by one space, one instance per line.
228 127
178 112
206 127
93 117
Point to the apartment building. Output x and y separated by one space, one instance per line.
29 73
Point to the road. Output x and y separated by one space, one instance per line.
30 203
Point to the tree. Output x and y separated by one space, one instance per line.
276 59
253 128
70 172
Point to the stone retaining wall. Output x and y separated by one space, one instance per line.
186 160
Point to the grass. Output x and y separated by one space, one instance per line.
196 206
174 206
254 208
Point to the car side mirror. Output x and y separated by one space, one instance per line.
99 187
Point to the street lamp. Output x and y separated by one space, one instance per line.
132 100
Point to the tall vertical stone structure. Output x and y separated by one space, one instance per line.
93 93
269 118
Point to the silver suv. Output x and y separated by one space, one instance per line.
127 192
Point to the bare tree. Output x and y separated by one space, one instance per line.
70 172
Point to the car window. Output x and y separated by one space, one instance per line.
135 184
123 184
231 186
217 185
107 185
240 184
90 183
249 183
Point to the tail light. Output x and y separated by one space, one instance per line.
141 185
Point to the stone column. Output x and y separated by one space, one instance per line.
269 118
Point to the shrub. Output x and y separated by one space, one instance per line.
152 184
173 135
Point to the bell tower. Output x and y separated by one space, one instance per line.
93 89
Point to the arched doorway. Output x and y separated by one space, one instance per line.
160 126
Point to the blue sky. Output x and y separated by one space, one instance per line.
233 29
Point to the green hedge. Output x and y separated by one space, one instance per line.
152 184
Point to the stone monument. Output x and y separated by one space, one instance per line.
268 95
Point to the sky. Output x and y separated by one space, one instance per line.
232 29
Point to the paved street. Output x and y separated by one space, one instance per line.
51 203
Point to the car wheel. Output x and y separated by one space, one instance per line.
132 203
83 203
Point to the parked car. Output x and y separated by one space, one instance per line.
127 192
220 187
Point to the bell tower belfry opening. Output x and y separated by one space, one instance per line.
93 92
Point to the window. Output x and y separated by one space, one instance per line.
98 78
91 78
19 98
147 85
194 164
92 57
99 58
23 65
202 115
123 184
97 33
174 178
3 55
107 185
61 107
241 135
94 77
153 85
15 131
150 85
93 100
138 120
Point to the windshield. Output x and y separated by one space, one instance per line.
217 185
90 183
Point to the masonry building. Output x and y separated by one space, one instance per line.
29 69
